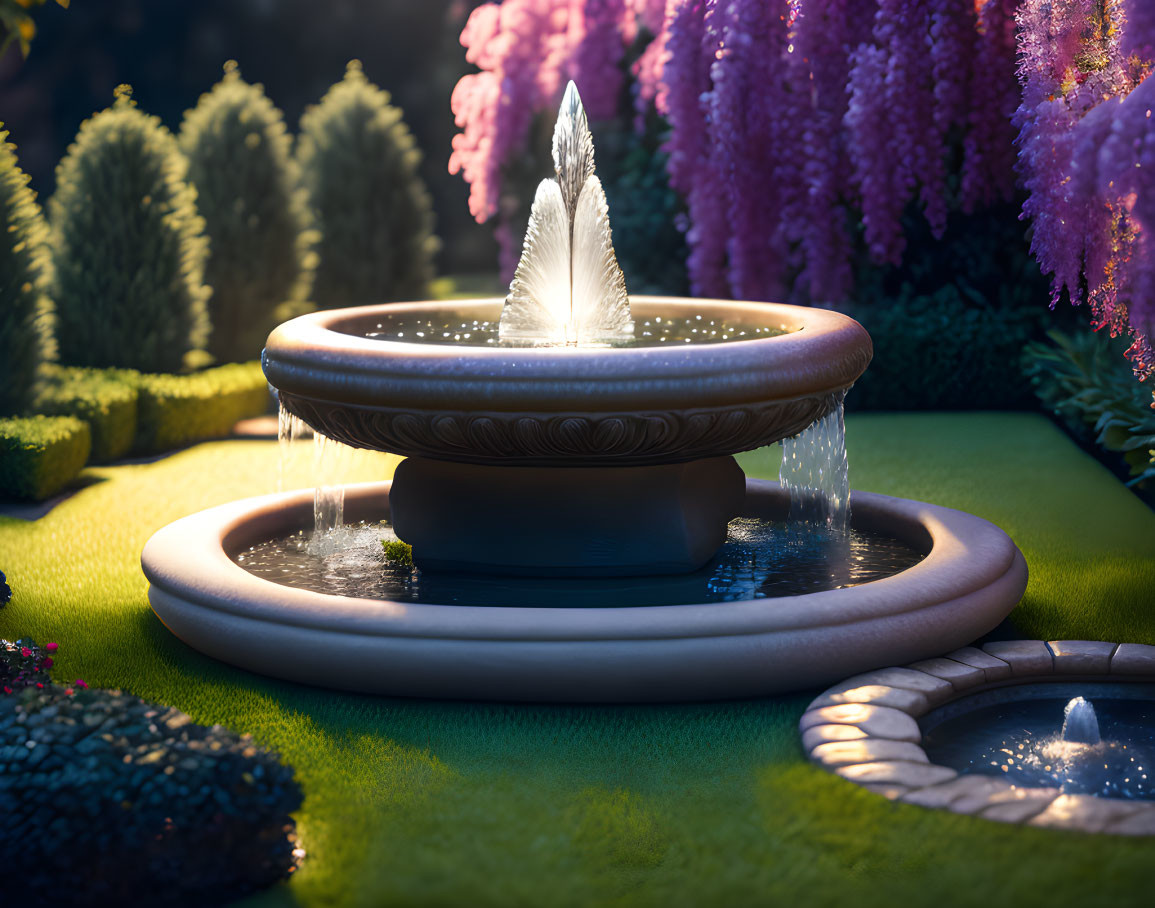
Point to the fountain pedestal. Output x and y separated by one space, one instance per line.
560 521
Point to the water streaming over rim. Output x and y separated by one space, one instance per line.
815 472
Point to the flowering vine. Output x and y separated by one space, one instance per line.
1087 158
796 126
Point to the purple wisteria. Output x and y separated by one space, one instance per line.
796 126
789 120
1087 158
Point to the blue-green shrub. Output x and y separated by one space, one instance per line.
1085 381
128 246
359 164
249 192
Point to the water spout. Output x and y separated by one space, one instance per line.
568 288
1080 724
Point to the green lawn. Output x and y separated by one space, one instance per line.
432 803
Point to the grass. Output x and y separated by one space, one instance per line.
442 803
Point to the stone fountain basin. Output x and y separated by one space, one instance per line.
971 578
565 406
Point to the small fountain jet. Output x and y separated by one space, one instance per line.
1080 724
568 288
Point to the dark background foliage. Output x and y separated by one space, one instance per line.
171 52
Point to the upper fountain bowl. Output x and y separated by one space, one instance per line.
357 376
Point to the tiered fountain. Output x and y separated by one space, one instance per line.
580 529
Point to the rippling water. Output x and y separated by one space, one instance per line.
760 559
648 332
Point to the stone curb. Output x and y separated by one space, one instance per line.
865 729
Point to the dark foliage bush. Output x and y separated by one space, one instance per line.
249 192
644 211
5 590
949 325
26 340
944 351
101 398
175 410
359 164
128 246
109 800
1084 380
40 455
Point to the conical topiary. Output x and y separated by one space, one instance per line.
128 246
376 220
25 311
249 192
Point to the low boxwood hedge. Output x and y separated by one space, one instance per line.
175 410
99 397
39 455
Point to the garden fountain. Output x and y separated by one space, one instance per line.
579 526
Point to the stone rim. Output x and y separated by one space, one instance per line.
561 406
971 579
865 729
312 357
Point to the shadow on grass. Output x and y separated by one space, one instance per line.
33 510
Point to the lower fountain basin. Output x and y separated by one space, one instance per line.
970 579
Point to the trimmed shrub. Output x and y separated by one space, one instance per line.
176 410
128 246
944 351
39 455
108 797
359 164
26 340
260 263
1084 380
102 398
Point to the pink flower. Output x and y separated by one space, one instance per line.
81 684
25 652
52 647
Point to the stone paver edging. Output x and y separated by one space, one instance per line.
865 729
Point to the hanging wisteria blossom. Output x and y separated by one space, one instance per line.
800 130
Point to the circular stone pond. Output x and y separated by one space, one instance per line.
1056 734
518 639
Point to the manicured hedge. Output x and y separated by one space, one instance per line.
39 455
175 410
102 399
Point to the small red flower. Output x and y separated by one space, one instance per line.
81 684
7 689
47 663
52 647
25 652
